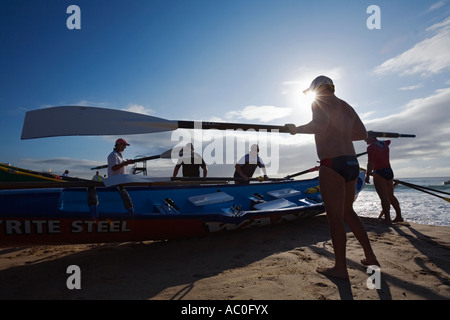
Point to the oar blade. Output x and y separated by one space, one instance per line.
82 121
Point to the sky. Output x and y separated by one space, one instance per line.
244 61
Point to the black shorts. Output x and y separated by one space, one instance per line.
386 173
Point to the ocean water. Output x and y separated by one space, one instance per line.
416 206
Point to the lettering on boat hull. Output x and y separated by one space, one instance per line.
40 227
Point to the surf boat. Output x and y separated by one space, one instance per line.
161 210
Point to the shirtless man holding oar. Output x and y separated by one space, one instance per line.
336 125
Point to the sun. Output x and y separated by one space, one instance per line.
304 100
309 97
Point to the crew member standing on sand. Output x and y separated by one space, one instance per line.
335 124
116 166
379 166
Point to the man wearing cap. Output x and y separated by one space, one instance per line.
335 126
116 166
116 162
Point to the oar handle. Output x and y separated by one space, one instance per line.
100 167
230 126
270 128
134 160
379 134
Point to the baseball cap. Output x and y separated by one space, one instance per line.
254 148
122 141
317 82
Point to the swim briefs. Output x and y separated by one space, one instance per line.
386 173
346 166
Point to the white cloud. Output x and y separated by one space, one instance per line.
428 57
366 115
427 118
410 88
91 103
260 113
436 5
137 108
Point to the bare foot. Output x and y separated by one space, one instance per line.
333 273
370 262
400 219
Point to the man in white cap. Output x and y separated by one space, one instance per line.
116 166
335 126
116 162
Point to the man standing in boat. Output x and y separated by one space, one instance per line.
191 162
116 162
246 166
116 166
335 125
97 177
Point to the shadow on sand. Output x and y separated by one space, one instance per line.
144 270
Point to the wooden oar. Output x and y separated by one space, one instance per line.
79 121
426 188
206 179
302 172
165 155
82 121
49 184
379 134
423 189
314 168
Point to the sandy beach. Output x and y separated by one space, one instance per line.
268 263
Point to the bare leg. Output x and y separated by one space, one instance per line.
357 227
381 188
394 202
332 188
